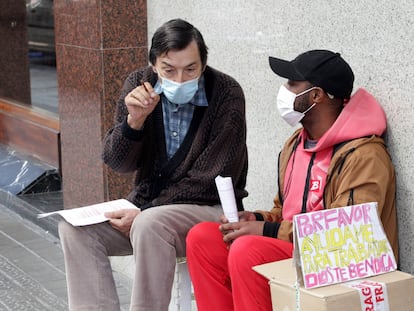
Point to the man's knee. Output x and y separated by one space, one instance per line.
242 252
242 244
144 223
203 234
70 233
65 229
148 227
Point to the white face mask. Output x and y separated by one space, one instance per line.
286 105
179 93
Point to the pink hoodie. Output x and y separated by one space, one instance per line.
361 116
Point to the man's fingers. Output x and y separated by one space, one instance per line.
230 226
115 214
223 219
137 99
231 236
108 214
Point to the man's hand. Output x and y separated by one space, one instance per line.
243 216
140 102
232 231
121 220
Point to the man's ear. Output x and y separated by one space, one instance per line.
318 95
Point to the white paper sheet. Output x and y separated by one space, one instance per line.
227 199
91 214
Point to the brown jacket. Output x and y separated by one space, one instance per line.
360 171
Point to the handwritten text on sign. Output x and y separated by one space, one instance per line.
342 244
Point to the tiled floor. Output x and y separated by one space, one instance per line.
32 274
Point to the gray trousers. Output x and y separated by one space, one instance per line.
157 237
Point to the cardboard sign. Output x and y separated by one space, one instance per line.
384 292
341 244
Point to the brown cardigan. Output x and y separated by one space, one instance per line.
215 145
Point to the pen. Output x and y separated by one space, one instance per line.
143 84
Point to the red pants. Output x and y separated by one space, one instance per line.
223 277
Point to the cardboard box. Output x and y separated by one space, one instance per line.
399 291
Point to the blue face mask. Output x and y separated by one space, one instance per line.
179 93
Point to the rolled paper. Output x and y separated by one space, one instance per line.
227 199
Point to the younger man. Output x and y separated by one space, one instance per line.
337 158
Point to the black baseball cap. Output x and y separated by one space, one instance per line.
322 68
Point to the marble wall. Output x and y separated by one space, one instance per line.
97 44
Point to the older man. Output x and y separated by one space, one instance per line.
179 124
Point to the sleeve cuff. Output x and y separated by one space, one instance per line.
271 229
131 133
146 205
259 217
